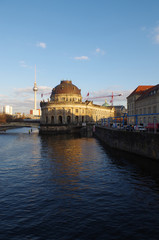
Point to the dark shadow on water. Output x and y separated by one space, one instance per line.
145 167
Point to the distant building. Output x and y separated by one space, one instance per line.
120 110
66 107
8 110
106 104
143 105
36 112
18 115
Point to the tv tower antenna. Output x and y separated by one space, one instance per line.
35 89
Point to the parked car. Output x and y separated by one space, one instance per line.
139 128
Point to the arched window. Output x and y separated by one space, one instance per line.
46 119
60 119
76 119
68 119
52 120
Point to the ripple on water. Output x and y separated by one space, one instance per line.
69 187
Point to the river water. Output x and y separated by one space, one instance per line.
71 187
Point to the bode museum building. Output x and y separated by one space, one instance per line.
66 108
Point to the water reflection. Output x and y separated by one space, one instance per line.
69 157
70 187
145 169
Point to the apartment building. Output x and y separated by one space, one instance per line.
143 105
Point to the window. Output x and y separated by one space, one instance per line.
144 120
140 120
46 119
52 120
60 119
154 109
154 120
76 119
68 119
144 110
149 110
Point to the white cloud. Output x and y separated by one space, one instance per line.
155 34
157 38
100 51
24 92
2 96
22 99
23 64
41 44
44 89
81 58
143 28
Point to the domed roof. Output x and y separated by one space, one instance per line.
106 104
66 87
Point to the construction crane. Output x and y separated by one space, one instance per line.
92 98
112 97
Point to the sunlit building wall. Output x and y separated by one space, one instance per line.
7 110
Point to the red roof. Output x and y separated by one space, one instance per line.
148 91
140 89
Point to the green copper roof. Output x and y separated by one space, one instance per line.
106 104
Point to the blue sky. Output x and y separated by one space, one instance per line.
103 46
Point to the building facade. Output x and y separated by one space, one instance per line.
8 110
143 105
65 107
35 113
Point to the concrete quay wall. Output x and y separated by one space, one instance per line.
140 143
11 125
45 129
60 129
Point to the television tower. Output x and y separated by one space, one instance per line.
35 89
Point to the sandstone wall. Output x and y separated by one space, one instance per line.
141 143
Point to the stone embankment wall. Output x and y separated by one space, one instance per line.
141 143
46 129
11 125
60 129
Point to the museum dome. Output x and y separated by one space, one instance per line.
66 87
